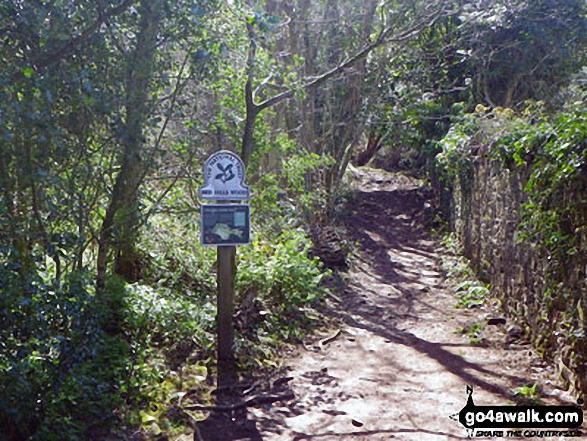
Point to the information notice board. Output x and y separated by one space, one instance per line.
225 224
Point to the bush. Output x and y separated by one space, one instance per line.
283 275
59 372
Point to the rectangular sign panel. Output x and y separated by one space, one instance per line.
225 224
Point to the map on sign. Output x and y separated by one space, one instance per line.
224 178
225 224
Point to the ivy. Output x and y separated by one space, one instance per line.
554 216
546 152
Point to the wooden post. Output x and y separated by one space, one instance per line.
225 226
226 362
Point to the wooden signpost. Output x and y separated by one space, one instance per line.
225 223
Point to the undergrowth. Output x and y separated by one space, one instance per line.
171 321
527 395
83 367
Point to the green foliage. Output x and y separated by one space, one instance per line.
286 280
471 294
65 361
472 331
545 37
176 258
527 394
73 366
170 317
286 285
464 59
164 319
452 160
553 216
171 337
286 199
455 265
553 149
546 152
59 371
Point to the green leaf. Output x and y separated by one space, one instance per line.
28 72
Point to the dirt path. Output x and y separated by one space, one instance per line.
396 367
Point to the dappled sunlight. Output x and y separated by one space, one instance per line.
397 366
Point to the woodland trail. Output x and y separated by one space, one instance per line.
399 367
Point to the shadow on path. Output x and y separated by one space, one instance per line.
395 217
348 435
394 287
226 427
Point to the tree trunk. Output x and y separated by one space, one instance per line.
122 214
249 130
252 110
385 36
374 144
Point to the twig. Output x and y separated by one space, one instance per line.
330 339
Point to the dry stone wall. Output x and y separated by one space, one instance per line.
485 207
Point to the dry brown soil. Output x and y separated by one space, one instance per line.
399 366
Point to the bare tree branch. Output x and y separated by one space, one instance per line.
384 37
